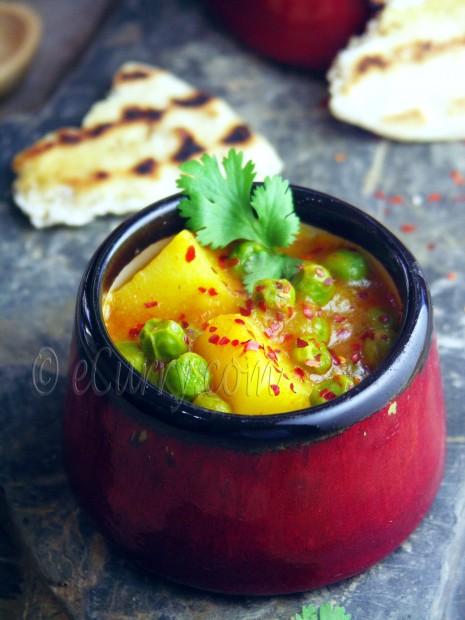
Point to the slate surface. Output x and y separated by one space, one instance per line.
73 572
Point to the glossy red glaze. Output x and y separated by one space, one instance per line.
305 33
237 517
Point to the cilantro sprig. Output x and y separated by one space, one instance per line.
324 612
222 208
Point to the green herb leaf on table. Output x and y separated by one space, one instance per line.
324 612
222 208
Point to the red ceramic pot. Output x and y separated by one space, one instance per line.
256 504
305 33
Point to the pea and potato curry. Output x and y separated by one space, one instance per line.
247 328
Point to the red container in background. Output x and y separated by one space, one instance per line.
304 33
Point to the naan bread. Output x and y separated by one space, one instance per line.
405 77
128 151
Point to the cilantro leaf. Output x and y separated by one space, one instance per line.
328 612
273 205
217 206
268 265
308 613
324 612
222 209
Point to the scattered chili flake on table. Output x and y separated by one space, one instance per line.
408 228
434 197
452 276
457 178
340 157
396 200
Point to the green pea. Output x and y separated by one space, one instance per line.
347 265
187 376
376 346
330 389
380 318
315 283
131 351
163 340
275 294
318 328
244 252
210 400
313 355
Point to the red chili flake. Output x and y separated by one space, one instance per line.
355 357
452 276
151 304
190 254
275 389
340 157
262 305
240 321
214 339
384 336
434 197
431 246
383 318
292 388
251 345
184 324
336 360
273 329
396 200
204 326
356 347
299 372
224 340
235 342
273 354
245 311
223 261
457 177
408 228
280 316
135 331
260 287
212 292
338 318
233 262
369 335
201 289
301 343
290 311
327 395
212 328
307 312
380 195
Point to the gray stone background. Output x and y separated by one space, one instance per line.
53 564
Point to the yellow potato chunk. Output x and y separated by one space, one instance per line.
248 371
184 282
